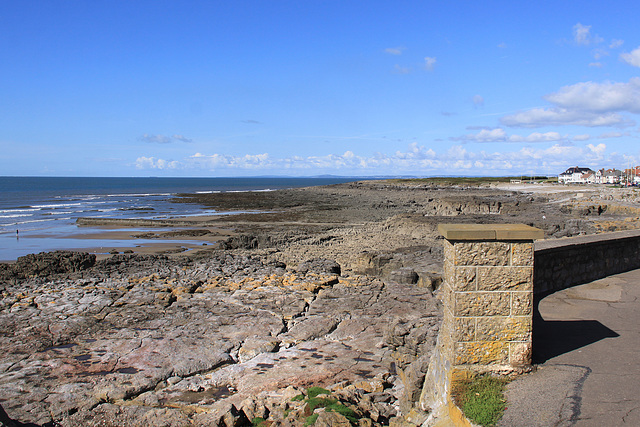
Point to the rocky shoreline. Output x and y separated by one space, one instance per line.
323 290
197 341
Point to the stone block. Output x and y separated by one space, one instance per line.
481 353
446 342
517 232
472 304
464 279
462 375
522 254
489 232
448 271
522 303
464 329
448 301
520 353
503 328
482 253
505 278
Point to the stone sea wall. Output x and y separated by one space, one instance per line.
562 263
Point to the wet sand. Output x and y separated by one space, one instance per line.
150 240
104 241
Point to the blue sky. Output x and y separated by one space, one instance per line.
357 88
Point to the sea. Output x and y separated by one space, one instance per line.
38 214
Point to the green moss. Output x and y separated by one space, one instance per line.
257 422
315 391
344 411
311 420
482 399
298 398
320 402
313 402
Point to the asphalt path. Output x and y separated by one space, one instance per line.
586 343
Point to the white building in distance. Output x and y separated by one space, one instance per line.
577 175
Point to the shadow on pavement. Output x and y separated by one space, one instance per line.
552 338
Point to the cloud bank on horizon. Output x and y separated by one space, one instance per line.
282 88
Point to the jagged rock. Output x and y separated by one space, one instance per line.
331 419
319 266
417 416
429 280
254 346
374 264
232 417
404 275
254 408
111 415
401 422
47 263
245 241
310 328
413 379
162 337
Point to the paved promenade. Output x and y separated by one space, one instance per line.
587 345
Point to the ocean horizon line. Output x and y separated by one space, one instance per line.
368 177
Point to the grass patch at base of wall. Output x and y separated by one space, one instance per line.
481 399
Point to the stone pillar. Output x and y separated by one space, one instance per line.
487 296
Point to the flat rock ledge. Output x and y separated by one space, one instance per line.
223 341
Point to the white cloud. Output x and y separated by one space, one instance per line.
181 138
615 43
499 135
163 139
609 135
537 137
401 70
632 58
539 117
487 135
416 152
478 101
584 104
599 54
145 162
584 137
415 160
597 149
582 35
395 50
214 161
599 97
159 139
429 63
153 163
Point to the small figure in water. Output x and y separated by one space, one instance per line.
17 234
